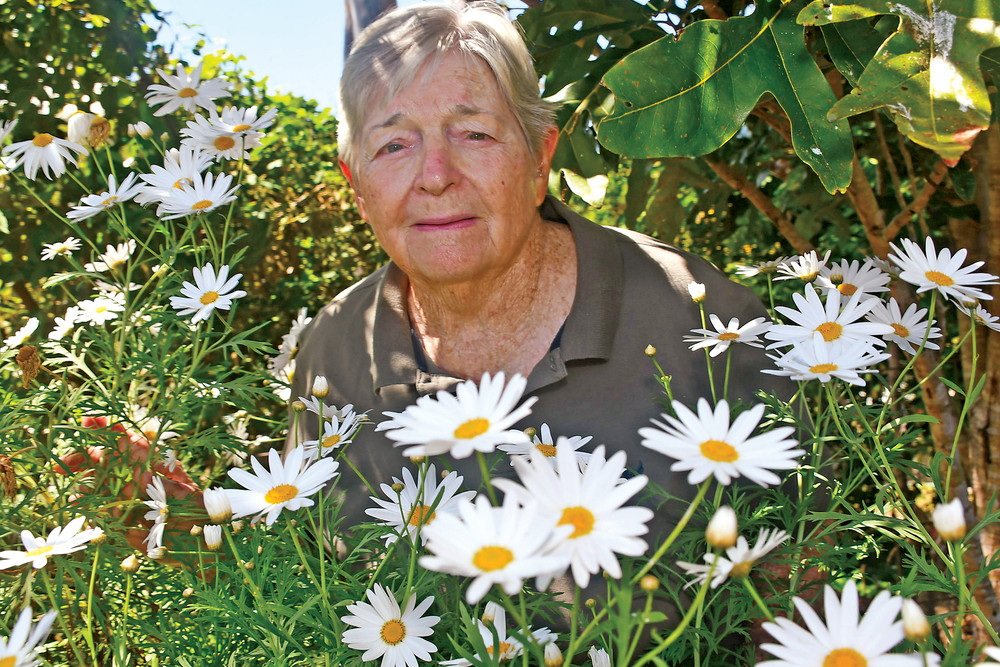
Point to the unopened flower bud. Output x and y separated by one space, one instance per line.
398 487
237 526
650 351
156 553
649 583
188 592
130 564
490 612
298 406
195 530
531 431
915 624
553 656
217 505
697 292
213 537
949 520
721 532
417 460
164 136
99 539
320 387
590 603
141 128
260 549
248 564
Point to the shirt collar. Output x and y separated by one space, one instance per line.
588 333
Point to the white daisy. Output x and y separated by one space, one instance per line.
850 278
19 650
720 339
240 121
993 653
418 502
707 445
64 325
140 129
6 127
845 639
199 196
818 360
316 406
591 503
929 270
504 648
494 545
909 328
209 292
737 562
116 194
831 320
43 151
67 247
286 485
763 268
180 167
336 433
185 90
114 259
804 267
381 630
21 335
473 419
214 137
289 343
154 540
99 310
543 444
61 540
983 317
157 502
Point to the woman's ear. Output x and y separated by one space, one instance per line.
357 194
548 149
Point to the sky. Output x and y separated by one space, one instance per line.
297 44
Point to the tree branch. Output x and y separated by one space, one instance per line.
870 213
918 204
762 202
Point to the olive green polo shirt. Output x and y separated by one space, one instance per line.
631 292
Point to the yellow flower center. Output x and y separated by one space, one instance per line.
40 551
472 428
187 92
741 570
547 450
331 441
9 661
847 289
42 140
728 335
830 331
209 297
101 309
117 264
201 205
939 278
224 143
421 515
580 518
900 330
281 494
808 277
180 182
241 128
717 450
393 632
823 368
110 201
844 657
504 647
492 558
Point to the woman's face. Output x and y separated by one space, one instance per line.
445 177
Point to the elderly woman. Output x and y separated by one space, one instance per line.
448 146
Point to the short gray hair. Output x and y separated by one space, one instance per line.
388 53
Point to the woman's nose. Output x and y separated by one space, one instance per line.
437 170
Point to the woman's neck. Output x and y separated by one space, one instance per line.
503 322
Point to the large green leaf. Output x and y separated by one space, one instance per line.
927 73
688 96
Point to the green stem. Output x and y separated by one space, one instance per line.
676 531
485 472
756 598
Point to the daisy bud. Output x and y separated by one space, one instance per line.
531 431
217 505
99 539
949 520
398 487
128 162
590 603
260 549
417 460
248 564
553 656
156 553
164 136
649 583
697 292
320 387
490 612
237 526
650 351
141 128
78 126
599 657
213 537
298 406
188 592
915 624
130 564
721 532
195 530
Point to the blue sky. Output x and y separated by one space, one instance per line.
297 44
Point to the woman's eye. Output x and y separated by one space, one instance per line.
392 147
478 136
